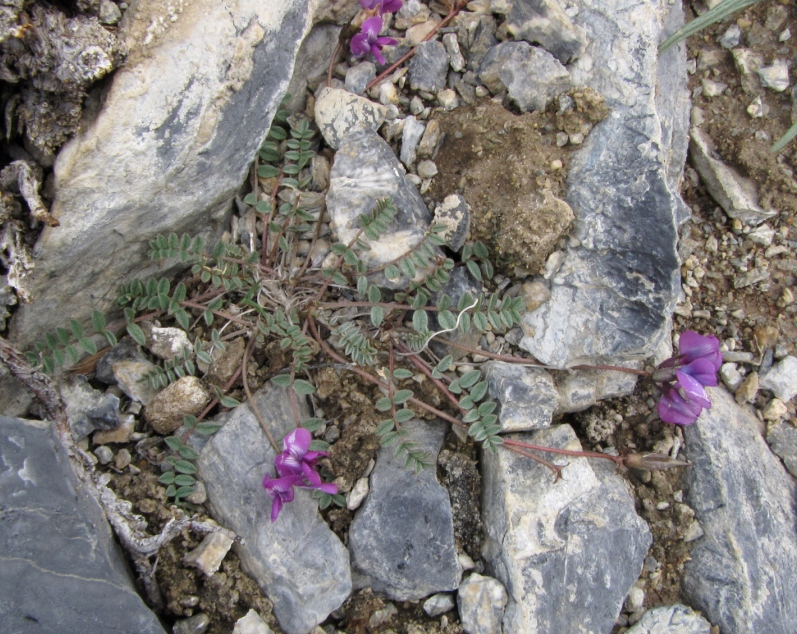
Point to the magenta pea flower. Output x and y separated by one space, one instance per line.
295 466
385 6
683 378
368 40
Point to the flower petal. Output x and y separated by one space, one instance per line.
371 28
388 6
702 370
288 465
674 409
691 389
376 51
297 442
693 346
359 45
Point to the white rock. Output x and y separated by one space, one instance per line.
339 112
757 108
357 494
427 169
713 88
448 99
730 376
168 343
781 379
481 601
251 623
210 553
776 76
438 604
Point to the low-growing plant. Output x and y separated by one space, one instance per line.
341 311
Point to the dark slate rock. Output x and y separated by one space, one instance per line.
480 40
429 67
527 397
297 560
366 170
544 22
167 151
568 551
402 538
616 289
357 77
88 409
743 571
458 284
62 570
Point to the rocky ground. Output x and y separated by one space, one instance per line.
738 284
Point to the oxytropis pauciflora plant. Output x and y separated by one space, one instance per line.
385 323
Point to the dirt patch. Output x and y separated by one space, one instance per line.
512 173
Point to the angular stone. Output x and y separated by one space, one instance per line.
124 350
357 77
544 22
168 343
782 439
338 113
568 551
531 76
251 623
454 214
429 67
671 619
365 171
410 139
210 553
62 570
163 128
300 564
781 379
88 409
618 285
527 397
187 396
402 538
735 193
438 604
481 601
743 571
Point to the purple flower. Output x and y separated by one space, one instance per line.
296 468
385 6
368 40
693 346
682 378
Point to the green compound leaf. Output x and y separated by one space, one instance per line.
303 387
404 414
281 380
183 466
135 332
383 404
402 396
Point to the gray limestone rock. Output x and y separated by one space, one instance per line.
365 171
531 76
357 77
169 147
338 113
411 137
187 396
567 551
544 22
62 570
527 397
88 409
671 619
429 67
300 564
454 214
735 193
125 350
743 571
617 287
481 601
781 379
312 60
402 537
782 439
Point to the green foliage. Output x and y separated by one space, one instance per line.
180 479
720 11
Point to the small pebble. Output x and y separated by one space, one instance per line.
427 169
748 389
556 164
104 454
775 410
197 624
123 459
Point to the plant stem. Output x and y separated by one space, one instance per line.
565 452
250 399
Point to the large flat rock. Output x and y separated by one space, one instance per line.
614 293
169 147
60 567
743 571
298 561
